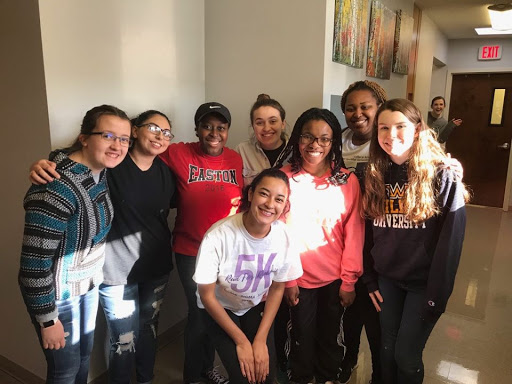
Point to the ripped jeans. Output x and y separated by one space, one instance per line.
132 313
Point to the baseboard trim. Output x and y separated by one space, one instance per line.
18 372
164 339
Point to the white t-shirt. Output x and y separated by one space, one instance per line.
242 266
354 156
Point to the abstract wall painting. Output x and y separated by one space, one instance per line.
350 32
381 41
403 38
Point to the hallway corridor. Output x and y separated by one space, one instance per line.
472 342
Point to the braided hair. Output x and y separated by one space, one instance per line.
378 92
292 147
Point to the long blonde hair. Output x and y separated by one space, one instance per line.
425 158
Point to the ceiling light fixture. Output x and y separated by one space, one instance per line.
501 16
490 31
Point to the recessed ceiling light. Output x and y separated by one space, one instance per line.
490 31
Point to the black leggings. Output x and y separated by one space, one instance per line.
362 313
316 324
226 348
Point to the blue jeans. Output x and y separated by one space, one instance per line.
199 349
404 332
132 313
70 365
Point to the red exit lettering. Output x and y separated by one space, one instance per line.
490 52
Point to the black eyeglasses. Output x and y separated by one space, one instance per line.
307 139
155 129
123 140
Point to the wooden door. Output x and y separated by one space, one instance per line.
482 148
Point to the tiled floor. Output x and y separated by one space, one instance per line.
472 342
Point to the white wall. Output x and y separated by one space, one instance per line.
132 54
26 136
264 46
438 82
135 55
432 43
337 77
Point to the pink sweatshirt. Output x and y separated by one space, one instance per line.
325 221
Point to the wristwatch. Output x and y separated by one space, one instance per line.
49 323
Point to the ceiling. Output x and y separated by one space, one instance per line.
458 18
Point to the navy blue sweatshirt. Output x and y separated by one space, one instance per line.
426 254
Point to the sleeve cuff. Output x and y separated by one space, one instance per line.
347 287
372 286
47 316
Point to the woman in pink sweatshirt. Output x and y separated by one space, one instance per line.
325 220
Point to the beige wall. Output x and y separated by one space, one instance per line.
26 136
264 46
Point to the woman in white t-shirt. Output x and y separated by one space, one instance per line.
242 266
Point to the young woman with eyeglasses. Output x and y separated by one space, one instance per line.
61 263
325 220
138 261
209 186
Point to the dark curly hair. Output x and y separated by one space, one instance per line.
313 114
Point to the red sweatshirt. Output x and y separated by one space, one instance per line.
209 189
326 222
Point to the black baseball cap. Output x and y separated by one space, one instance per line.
212 107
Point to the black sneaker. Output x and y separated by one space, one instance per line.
346 372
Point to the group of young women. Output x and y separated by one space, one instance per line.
299 235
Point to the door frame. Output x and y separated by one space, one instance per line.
448 92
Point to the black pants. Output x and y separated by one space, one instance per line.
315 351
199 350
404 331
281 335
362 313
226 347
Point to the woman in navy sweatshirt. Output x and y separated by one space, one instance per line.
416 208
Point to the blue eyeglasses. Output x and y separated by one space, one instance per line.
123 140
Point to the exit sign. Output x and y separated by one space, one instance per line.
489 52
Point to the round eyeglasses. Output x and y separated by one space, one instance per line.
156 130
308 139
123 140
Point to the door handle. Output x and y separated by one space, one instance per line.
504 146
